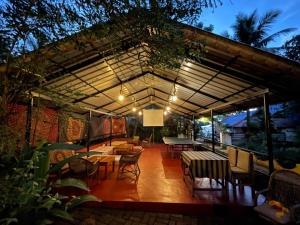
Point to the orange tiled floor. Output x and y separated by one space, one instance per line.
161 180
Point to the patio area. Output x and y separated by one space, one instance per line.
121 107
161 187
161 196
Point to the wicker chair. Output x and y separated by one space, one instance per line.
83 168
282 204
129 164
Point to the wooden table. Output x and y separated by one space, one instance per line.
117 143
202 164
105 150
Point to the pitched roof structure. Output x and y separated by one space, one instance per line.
228 75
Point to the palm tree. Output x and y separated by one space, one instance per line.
252 30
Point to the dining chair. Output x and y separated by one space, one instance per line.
232 155
147 141
83 168
242 172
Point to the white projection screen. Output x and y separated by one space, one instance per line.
153 117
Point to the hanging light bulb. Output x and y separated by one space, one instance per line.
134 104
173 98
140 113
168 108
121 96
165 113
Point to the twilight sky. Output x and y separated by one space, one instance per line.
224 16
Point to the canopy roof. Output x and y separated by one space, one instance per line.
229 73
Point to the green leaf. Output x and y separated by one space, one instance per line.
44 222
80 200
8 221
41 144
48 203
63 146
42 165
61 214
71 182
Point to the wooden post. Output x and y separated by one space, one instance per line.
268 133
89 131
212 130
28 123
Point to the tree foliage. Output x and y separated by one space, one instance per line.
254 30
291 48
208 28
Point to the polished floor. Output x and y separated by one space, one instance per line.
161 181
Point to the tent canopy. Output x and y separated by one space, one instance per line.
228 75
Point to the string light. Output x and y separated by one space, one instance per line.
140 113
168 108
134 109
165 113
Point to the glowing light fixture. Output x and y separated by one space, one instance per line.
173 97
140 113
134 104
121 96
168 108
165 113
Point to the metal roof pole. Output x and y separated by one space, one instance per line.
28 123
110 136
89 131
194 128
268 132
212 130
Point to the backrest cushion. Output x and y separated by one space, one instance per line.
59 155
243 160
232 155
